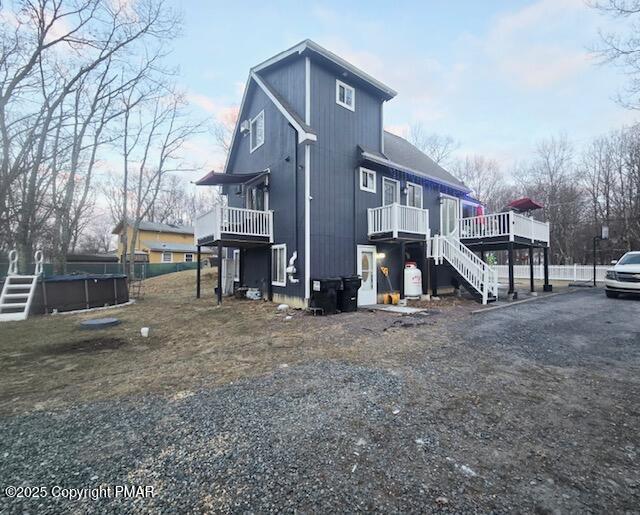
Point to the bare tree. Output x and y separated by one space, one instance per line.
161 129
552 179
483 176
437 146
623 47
57 74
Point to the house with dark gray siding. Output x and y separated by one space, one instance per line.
315 188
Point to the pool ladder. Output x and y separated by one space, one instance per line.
18 290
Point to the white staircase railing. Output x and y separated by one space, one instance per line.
482 277
18 291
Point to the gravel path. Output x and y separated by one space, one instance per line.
528 409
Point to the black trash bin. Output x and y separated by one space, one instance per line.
324 294
348 295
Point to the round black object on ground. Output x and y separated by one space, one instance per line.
99 323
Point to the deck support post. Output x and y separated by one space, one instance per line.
434 279
269 274
511 293
219 292
426 276
545 255
198 273
403 247
531 284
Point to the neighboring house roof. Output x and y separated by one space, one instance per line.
160 246
158 227
109 257
399 153
311 46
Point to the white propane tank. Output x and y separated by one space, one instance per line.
412 280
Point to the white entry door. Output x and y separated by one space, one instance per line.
367 294
449 214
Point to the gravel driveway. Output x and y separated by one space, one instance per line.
533 408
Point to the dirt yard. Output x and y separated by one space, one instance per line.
49 362
529 409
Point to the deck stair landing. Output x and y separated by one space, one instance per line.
18 290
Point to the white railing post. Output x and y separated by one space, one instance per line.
394 219
531 226
485 284
512 222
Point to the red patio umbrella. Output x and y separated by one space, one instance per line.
524 204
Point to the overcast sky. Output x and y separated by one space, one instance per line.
496 75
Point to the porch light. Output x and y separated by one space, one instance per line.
380 255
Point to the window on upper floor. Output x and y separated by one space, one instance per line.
390 191
414 195
367 180
257 131
345 95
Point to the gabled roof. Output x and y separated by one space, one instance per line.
305 133
308 46
157 227
400 154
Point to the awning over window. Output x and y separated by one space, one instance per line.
218 179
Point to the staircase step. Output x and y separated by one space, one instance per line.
18 286
8 317
13 305
15 295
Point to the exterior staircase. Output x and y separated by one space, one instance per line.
479 278
18 290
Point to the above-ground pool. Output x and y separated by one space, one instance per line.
80 291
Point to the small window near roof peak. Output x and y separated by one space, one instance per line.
345 95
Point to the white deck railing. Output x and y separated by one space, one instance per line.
236 221
396 218
482 277
508 225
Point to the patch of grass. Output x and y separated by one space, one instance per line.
48 361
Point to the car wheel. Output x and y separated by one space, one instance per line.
611 294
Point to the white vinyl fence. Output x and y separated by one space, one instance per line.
556 272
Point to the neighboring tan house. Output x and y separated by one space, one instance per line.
161 243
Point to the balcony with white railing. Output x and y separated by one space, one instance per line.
225 223
395 221
507 226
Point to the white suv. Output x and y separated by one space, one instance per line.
624 277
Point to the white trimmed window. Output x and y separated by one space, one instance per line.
167 257
345 95
367 180
257 131
279 265
236 265
414 195
390 191
188 257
